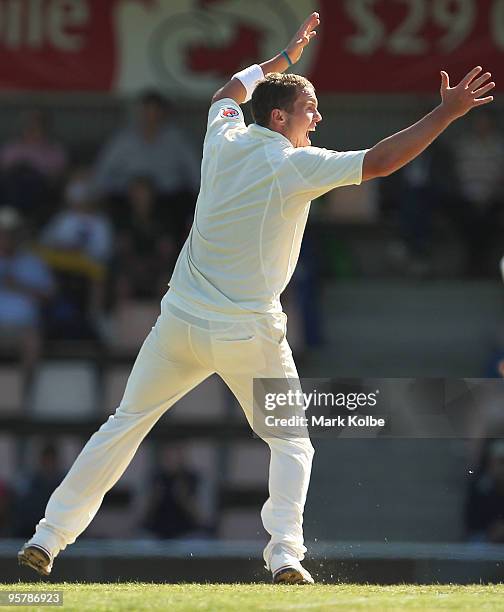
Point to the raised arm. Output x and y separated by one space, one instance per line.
397 150
236 90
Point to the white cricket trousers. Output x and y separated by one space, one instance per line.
179 353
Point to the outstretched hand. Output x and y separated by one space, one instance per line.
465 96
302 37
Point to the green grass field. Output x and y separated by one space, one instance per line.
217 597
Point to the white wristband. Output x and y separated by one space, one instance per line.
249 77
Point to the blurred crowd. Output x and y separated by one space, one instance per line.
77 240
458 185
169 499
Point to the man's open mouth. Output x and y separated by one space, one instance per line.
308 134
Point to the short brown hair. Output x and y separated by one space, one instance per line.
276 91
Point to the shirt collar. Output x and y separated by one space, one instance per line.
259 130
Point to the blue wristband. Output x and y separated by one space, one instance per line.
286 55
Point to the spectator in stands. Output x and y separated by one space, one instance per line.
154 147
79 227
305 294
145 254
479 163
485 504
32 165
417 192
171 507
35 488
77 244
26 284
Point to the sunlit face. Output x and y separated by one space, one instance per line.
302 120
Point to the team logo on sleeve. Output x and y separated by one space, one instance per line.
229 112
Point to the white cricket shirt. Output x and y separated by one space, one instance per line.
251 213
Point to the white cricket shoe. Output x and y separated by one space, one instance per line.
36 557
286 569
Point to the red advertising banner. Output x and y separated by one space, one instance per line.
57 45
401 45
188 47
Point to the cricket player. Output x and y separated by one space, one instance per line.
222 312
